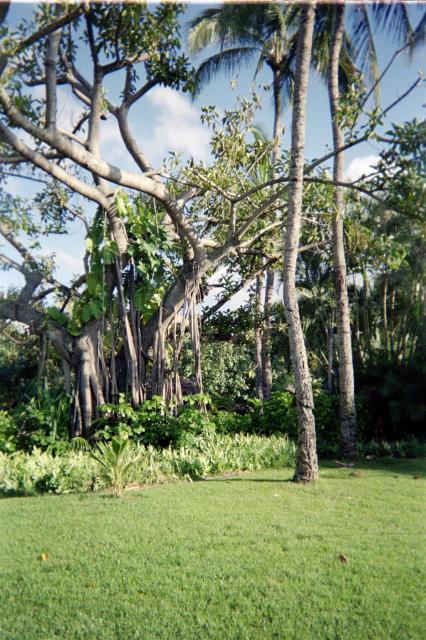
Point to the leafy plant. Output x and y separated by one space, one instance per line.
41 420
42 472
116 459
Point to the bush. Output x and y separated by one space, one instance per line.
407 448
7 433
279 416
208 453
39 421
41 472
116 461
152 423
227 367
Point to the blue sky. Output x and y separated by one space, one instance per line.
167 120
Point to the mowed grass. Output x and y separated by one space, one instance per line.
249 558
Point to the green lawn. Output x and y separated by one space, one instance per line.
249 557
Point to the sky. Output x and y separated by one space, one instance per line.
168 120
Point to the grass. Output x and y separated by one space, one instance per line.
251 557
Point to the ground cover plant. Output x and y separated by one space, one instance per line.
253 556
118 463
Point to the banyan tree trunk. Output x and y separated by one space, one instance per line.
129 343
88 393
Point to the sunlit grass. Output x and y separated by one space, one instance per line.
250 557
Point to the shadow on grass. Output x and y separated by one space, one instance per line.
248 479
400 466
414 467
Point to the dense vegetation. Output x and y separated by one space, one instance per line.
237 322
129 353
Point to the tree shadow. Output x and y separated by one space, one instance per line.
394 466
248 479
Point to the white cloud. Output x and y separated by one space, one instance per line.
69 262
176 126
67 265
361 166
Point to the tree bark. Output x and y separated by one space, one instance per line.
258 337
365 319
385 315
266 368
330 353
266 337
344 342
307 460
89 393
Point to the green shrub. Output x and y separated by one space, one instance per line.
41 472
279 416
8 442
408 448
152 423
118 463
42 420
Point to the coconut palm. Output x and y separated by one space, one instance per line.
307 460
245 32
330 55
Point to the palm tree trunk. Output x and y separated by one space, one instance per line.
307 460
266 336
258 336
346 369
330 353
365 319
270 274
385 315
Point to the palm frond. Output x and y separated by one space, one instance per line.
80 444
203 31
226 26
420 32
393 18
363 42
227 61
287 71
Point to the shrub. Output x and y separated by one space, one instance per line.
41 420
41 472
7 433
116 460
279 416
407 448
152 423
118 463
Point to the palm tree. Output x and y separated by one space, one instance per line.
307 460
394 17
244 32
344 342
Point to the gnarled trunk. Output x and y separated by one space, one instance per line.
88 392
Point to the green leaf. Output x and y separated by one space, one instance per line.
57 316
86 313
92 283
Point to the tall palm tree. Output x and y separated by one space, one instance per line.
393 17
245 32
307 460
344 342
